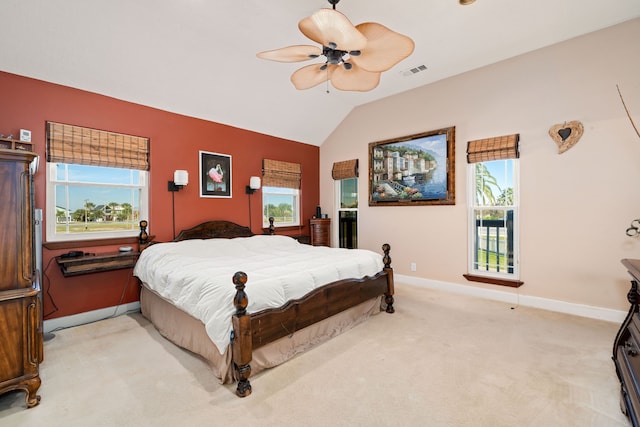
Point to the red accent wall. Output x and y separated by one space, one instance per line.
175 143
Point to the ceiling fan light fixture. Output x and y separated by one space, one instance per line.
355 79
385 47
364 51
291 53
312 75
334 56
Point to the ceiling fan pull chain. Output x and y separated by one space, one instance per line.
328 78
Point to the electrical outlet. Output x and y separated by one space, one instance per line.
413 266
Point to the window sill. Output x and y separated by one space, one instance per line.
494 281
68 244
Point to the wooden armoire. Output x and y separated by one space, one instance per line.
21 337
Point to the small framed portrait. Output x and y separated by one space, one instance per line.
215 175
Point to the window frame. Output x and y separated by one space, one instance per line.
338 192
51 208
494 277
267 190
338 203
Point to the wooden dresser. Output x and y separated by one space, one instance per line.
320 231
626 349
20 307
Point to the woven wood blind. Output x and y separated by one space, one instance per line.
498 148
276 173
85 146
345 169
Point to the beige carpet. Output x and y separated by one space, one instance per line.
440 360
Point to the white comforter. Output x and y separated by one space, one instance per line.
196 275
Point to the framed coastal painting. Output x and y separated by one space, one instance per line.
413 170
215 175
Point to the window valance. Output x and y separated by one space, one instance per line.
497 148
86 146
345 169
276 173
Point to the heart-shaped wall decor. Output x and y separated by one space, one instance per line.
566 135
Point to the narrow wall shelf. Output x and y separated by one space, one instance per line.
94 263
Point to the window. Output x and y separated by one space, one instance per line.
96 183
493 210
283 204
348 193
90 202
345 175
281 193
348 213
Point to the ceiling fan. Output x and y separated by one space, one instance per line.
355 55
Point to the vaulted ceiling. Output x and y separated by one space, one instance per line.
198 57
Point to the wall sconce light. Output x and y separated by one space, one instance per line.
254 184
180 179
466 2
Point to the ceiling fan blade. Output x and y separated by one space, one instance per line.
355 79
385 47
332 29
295 53
312 75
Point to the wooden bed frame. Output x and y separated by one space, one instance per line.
251 331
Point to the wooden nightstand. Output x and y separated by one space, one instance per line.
94 263
303 239
320 231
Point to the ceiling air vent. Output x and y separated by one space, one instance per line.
414 70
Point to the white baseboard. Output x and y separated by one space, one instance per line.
89 317
582 310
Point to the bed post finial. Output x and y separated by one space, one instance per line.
388 296
241 339
272 228
143 238
387 258
240 301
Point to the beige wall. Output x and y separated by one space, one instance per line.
575 207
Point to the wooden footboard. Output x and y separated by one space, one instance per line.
251 331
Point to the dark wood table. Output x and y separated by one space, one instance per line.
94 263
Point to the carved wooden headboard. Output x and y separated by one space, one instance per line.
219 229
214 229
